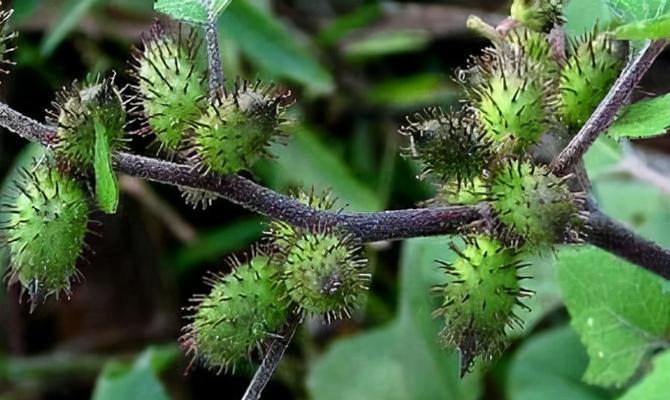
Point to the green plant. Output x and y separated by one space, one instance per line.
507 201
478 301
242 309
46 220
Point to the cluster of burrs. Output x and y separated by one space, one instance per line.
317 272
523 95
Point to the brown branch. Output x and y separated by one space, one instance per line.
607 111
614 237
369 227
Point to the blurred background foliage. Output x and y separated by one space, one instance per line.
355 67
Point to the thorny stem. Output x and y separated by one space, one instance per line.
603 117
272 358
216 76
368 227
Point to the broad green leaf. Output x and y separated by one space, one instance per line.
271 47
307 162
656 28
137 381
654 386
379 371
387 43
620 311
191 11
71 12
638 10
211 246
401 361
551 363
106 181
644 119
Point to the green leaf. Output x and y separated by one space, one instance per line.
191 11
655 385
271 47
138 381
71 12
656 28
106 182
638 10
401 361
551 362
644 119
306 161
620 311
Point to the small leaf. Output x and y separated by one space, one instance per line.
106 182
656 28
620 311
551 362
191 11
644 119
655 385
139 381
